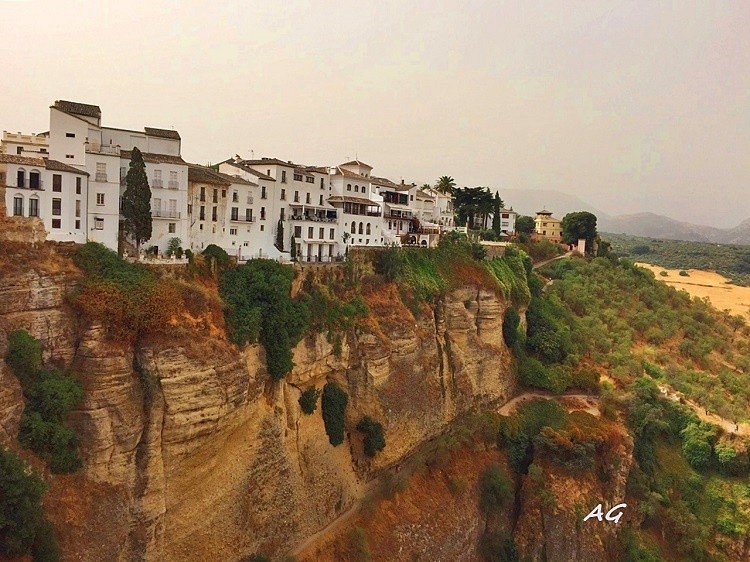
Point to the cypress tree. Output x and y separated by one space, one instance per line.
136 201
293 250
496 205
280 235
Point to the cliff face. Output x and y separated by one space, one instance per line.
191 453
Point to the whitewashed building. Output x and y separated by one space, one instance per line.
358 203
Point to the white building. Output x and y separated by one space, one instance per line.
50 190
77 139
358 203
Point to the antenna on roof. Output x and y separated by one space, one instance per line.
252 154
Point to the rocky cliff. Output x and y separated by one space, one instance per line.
190 452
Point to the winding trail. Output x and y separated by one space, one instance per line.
545 262
727 425
584 402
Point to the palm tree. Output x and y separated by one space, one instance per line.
445 185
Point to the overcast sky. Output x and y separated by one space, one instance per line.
631 106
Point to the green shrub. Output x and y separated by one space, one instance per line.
731 461
495 489
45 548
511 321
334 410
518 431
684 273
697 445
309 400
389 262
374 438
21 517
24 356
213 254
49 397
259 308
498 547
173 246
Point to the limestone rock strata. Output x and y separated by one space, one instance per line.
207 459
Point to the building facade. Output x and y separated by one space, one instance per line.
547 227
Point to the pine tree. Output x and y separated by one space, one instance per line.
280 235
136 201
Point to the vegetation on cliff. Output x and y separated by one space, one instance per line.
259 308
334 405
374 438
49 396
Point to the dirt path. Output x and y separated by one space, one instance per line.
585 402
700 411
545 262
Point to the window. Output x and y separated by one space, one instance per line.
235 197
296 196
223 193
282 213
321 200
307 198
297 177
70 135
310 179
100 199
356 188
322 233
233 232
367 230
283 176
214 214
249 215
173 209
21 178
19 150
173 180
262 214
332 233
203 194
216 196
78 186
35 180
33 207
202 213
297 231
360 228
348 187
157 179
262 227
71 157
18 206
98 224
235 213
55 223
321 184
78 225
57 183
57 207
78 208
101 171
268 171
172 227
309 231
354 228
263 192
157 206
505 215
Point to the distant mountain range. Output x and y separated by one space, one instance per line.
649 225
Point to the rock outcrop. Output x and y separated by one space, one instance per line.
199 456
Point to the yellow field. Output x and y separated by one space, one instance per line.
699 283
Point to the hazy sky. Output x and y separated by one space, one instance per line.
631 106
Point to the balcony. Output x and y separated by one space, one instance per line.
101 177
95 147
165 214
157 182
313 218
242 219
173 184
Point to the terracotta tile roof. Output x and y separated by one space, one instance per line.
152 158
423 195
201 174
356 163
235 179
77 108
248 169
347 174
349 199
164 133
271 161
23 160
385 182
56 166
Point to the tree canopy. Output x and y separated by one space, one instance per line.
445 185
581 224
471 203
136 201
497 204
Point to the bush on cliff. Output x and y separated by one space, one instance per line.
495 489
511 321
374 438
20 511
518 431
259 308
126 298
216 258
308 401
334 405
49 395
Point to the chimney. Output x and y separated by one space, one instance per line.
237 158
